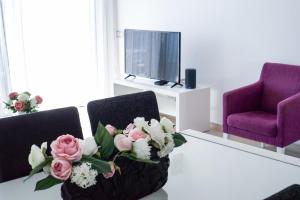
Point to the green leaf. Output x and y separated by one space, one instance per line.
46 183
105 141
119 131
7 104
178 139
134 158
99 165
38 168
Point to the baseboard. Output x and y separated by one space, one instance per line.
216 127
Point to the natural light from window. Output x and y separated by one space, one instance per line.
59 51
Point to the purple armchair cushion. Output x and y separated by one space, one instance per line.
257 121
280 81
240 100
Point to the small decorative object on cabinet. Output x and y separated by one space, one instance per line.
23 102
114 164
190 78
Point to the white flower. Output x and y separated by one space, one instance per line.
88 146
140 123
156 132
32 103
142 149
36 156
168 147
83 175
167 125
23 97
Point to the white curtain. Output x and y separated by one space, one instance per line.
4 71
64 50
12 15
106 43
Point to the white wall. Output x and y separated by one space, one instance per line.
227 41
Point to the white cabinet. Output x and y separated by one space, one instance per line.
190 107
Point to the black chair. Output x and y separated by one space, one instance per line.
18 133
290 193
119 111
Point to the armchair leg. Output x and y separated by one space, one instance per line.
226 136
280 150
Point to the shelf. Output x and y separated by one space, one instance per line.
148 84
189 107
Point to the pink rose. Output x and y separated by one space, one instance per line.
19 106
13 95
110 174
123 143
61 169
128 128
136 134
38 99
66 147
111 129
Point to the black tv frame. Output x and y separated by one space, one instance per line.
163 82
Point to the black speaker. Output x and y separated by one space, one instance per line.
190 78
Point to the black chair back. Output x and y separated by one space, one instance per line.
290 193
18 133
119 111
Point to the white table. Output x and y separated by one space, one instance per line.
207 167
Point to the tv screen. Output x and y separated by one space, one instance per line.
153 54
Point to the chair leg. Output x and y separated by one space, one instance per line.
226 136
262 145
280 150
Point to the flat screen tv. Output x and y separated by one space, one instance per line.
153 54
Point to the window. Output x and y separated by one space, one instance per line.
58 59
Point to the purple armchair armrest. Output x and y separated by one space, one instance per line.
288 120
241 100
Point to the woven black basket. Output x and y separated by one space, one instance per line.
135 181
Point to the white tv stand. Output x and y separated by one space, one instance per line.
190 107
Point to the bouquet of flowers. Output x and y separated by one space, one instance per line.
81 161
23 102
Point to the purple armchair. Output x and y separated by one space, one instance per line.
267 111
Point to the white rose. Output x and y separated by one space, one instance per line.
156 133
142 149
140 123
36 156
168 147
88 146
167 125
23 97
32 103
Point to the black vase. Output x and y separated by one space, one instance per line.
136 180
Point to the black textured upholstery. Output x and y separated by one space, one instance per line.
290 193
121 110
18 133
135 181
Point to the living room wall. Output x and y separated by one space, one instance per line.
227 41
